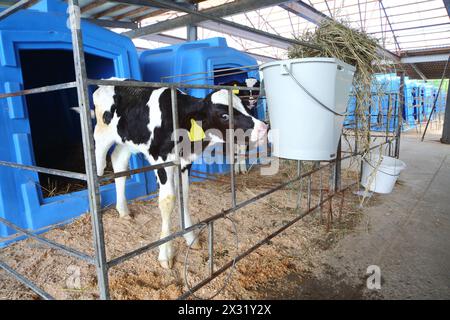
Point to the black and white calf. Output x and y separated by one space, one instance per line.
249 101
139 120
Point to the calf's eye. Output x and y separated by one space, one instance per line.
225 117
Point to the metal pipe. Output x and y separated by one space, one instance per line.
23 4
253 248
179 174
26 281
402 107
88 149
56 172
135 171
55 87
300 187
338 167
254 66
211 247
231 147
50 243
145 84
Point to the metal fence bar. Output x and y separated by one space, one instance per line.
144 84
231 147
207 72
338 167
178 175
88 149
401 107
23 4
56 172
300 166
211 247
135 171
25 281
69 251
254 247
55 87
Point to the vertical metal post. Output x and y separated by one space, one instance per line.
300 188
191 29
338 167
88 149
401 99
331 191
388 118
211 247
310 189
319 204
231 147
179 174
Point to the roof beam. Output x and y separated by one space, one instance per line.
23 4
131 13
112 24
154 13
224 10
110 10
305 11
218 27
418 71
92 5
425 58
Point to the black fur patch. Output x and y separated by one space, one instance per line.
107 117
187 167
162 176
130 103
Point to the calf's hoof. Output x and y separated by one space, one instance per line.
124 213
166 264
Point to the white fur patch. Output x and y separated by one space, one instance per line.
221 97
250 82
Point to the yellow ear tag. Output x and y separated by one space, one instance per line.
196 133
236 91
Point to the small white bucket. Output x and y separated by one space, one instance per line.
379 172
307 100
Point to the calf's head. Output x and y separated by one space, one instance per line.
248 97
217 117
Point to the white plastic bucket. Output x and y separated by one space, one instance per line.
380 175
302 126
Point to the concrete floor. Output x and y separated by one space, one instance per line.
406 234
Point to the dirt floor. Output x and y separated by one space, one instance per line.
274 271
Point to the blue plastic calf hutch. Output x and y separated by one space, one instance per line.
41 129
202 62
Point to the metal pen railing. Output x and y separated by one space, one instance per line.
99 259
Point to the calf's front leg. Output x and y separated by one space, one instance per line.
190 237
103 143
120 159
167 200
